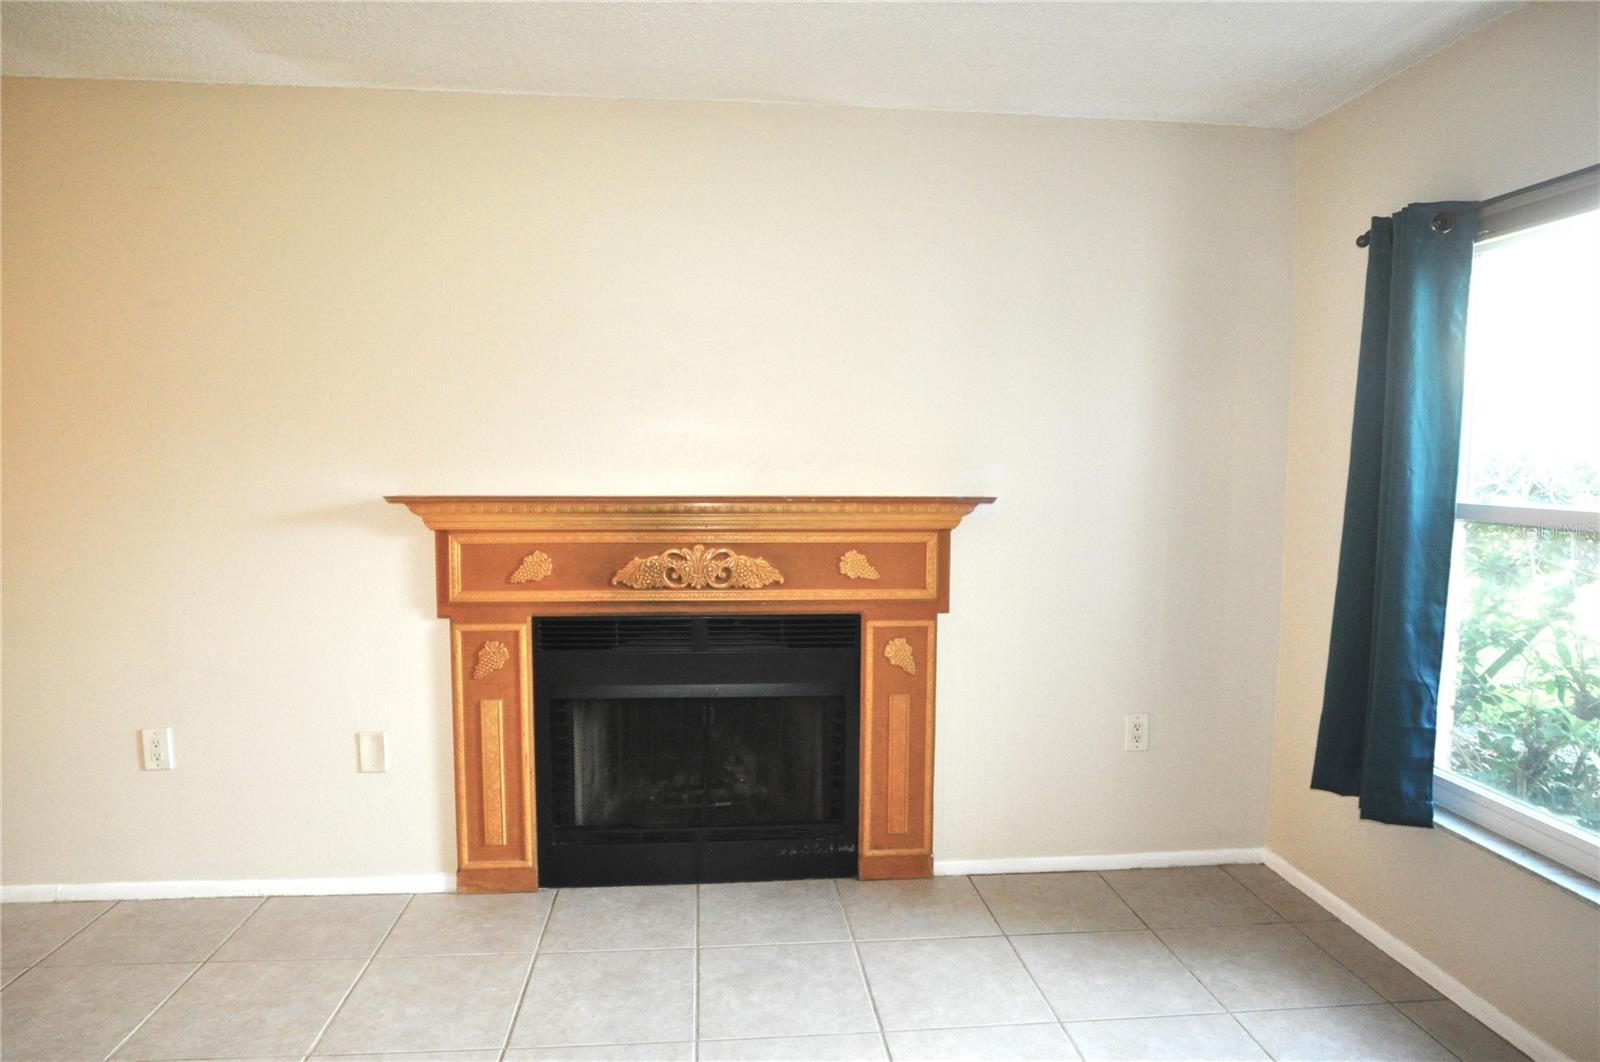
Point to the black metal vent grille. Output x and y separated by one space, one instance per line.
684 634
643 634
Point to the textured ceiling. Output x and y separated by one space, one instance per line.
1261 64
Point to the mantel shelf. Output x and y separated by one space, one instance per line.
685 512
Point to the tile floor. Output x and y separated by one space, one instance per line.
1188 963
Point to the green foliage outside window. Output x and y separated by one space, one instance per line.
1527 706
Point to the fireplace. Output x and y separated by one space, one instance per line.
724 688
696 748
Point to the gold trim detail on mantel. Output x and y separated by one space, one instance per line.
492 656
898 652
534 567
697 568
855 565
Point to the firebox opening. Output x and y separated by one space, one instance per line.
696 748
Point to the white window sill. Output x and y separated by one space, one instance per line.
1563 877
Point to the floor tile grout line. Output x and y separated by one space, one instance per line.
1276 917
558 1047
1178 1014
1338 1006
1197 980
1334 1006
527 980
1429 1035
1393 1003
1317 1006
1379 1000
1253 1038
827 1035
69 938
861 968
418 955
1356 973
316 1041
1034 981
189 977
1251 889
1204 987
1125 901
1072 1041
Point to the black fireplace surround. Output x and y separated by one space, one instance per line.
696 748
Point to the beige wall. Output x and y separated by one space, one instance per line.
1513 104
234 317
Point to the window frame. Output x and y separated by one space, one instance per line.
1521 824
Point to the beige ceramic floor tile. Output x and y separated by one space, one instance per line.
232 1009
621 919
934 984
313 927
1265 967
1188 1038
78 1012
1188 896
923 907
771 912
844 1047
1074 902
608 997
464 924
30 931
429 1003
1043 1042
821 992
1338 1034
1112 975
1463 1034
1385 976
155 931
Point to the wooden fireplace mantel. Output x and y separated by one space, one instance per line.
502 560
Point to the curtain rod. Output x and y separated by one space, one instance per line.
1443 221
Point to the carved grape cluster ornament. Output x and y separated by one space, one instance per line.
534 567
898 652
697 568
855 565
492 656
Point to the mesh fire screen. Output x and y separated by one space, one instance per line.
686 762
696 748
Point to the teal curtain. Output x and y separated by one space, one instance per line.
1382 688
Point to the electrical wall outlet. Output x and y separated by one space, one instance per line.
1136 732
155 748
372 752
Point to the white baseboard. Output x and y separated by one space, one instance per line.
1529 1043
1110 861
446 882
184 890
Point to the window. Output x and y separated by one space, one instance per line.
1519 703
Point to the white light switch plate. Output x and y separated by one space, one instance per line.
372 752
155 749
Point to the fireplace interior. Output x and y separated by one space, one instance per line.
696 748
